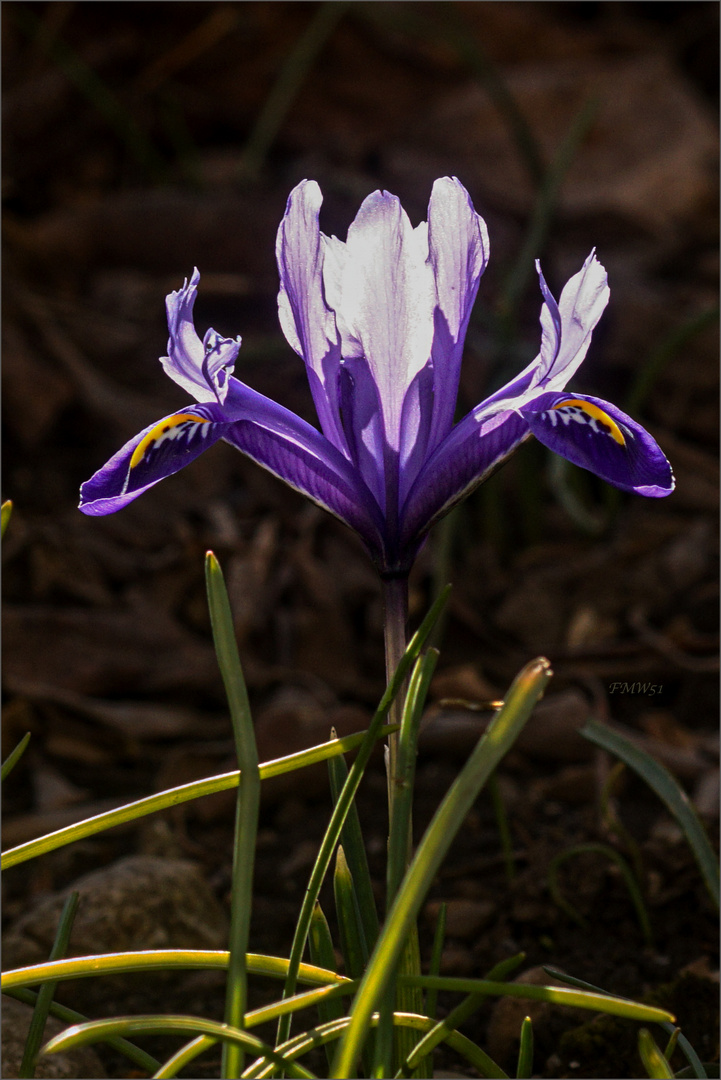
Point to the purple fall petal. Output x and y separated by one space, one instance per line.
599 437
467 456
158 451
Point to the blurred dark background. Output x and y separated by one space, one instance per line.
143 139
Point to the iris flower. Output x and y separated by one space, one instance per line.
380 322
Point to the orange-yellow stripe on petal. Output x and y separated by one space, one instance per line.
596 414
166 429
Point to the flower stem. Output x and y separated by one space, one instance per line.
395 604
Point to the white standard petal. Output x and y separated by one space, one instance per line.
383 293
582 303
200 367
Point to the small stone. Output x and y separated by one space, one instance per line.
74 1065
140 902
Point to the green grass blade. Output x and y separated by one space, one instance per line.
527 688
352 939
322 953
71 1016
668 790
145 960
524 1068
440 1032
163 800
47 990
98 1030
692 1057
247 809
355 852
315 1037
347 795
654 1062
581 999
14 756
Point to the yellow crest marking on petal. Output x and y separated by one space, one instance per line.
596 414
166 429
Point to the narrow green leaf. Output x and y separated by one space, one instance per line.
322 953
653 1060
668 790
597 1001
14 756
47 990
79 967
525 1051
352 939
163 800
247 809
355 851
440 1032
696 1068
496 741
98 1030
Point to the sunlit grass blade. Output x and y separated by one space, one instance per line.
355 851
47 990
695 1065
500 735
146 960
163 800
325 1033
626 872
99 1030
133 1053
668 790
247 809
5 514
524 1069
14 756
440 1032
598 1001
654 1062
332 833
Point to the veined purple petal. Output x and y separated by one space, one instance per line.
202 368
363 424
583 300
566 330
158 451
599 437
380 286
458 249
307 322
467 456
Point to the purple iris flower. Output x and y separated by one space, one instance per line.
380 322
